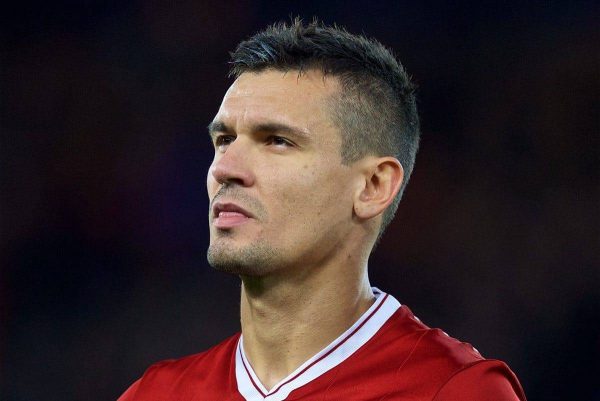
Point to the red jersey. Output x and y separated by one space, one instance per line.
387 355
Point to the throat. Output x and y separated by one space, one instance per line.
279 337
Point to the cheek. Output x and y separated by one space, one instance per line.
312 191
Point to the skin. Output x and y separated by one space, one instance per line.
307 223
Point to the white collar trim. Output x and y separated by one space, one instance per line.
329 357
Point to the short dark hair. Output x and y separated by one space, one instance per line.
376 111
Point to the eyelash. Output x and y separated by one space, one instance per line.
224 140
283 141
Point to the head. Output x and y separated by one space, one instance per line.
343 100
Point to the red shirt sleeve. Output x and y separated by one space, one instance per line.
130 392
487 380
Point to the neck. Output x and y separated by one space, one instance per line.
287 321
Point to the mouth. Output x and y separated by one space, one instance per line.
227 215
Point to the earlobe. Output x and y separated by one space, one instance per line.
383 177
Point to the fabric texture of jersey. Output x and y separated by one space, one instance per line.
387 355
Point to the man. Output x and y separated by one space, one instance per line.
314 144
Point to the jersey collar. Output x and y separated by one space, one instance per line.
329 357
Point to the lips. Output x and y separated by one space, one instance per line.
228 215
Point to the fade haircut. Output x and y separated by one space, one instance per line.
376 110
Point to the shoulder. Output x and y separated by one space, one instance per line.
219 352
481 379
432 362
425 346
212 365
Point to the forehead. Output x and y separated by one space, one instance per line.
287 97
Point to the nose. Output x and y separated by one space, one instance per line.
233 166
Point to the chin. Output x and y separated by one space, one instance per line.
251 260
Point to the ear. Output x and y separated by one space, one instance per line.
383 177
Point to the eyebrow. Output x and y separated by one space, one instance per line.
218 126
266 127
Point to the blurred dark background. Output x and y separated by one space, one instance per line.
104 153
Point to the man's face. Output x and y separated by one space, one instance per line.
280 196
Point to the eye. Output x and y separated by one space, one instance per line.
222 141
279 141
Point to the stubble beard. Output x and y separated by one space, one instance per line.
223 254
250 260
